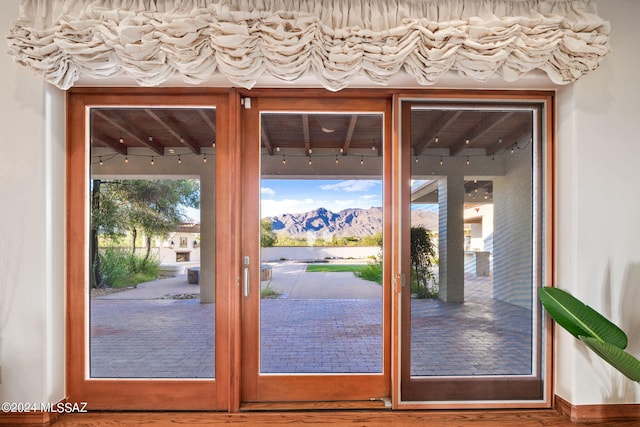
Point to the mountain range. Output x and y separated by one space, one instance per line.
351 222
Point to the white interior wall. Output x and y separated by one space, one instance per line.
32 187
598 230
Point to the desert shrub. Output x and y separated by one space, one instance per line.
121 268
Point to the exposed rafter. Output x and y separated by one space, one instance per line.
174 129
444 121
507 141
483 126
349 136
266 141
208 121
305 132
153 145
115 145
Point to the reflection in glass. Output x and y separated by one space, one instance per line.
151 266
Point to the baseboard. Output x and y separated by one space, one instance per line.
37 418
597 413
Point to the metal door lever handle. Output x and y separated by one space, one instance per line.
246 276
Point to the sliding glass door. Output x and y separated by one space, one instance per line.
472 251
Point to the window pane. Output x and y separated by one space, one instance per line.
152 289
472 205
321 256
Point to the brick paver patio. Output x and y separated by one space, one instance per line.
166 338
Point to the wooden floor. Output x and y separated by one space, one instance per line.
386 418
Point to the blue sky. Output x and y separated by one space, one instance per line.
295 195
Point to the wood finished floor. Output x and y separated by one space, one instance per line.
473 418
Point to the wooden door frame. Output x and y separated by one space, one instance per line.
402 163
135 394
327 387
99 393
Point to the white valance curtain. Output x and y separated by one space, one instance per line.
336 40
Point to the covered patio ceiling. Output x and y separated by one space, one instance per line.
434 131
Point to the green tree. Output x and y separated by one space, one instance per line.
268 237
156 207
423 254
152 207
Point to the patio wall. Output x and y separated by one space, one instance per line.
307 253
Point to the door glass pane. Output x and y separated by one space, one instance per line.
472 240
321 243
151 250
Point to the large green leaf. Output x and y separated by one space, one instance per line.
580 319
619 359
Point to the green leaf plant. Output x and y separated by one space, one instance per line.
603 337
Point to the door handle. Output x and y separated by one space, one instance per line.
246 276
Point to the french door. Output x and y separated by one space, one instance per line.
315 205
136 161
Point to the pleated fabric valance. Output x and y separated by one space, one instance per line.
336 40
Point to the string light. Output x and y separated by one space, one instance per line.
466 141
416 159
121 140
284 160
152 162
513 150
309 160
373 147
213 144
278 148
441 161
126 159
436 139
468 161
204 159
101 161
337 161
179 159
362 160
310 150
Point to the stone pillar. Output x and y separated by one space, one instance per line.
207 236
451 238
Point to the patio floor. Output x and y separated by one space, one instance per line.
317 325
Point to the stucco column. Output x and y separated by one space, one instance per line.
451 238
207 237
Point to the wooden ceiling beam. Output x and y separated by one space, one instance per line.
349 137
178 135
428 138
207 120
153 145
508 140
266 141
483 126
114 145
305 132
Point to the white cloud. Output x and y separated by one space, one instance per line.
268 191
278 207
352 185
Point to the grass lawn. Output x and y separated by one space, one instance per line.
335 268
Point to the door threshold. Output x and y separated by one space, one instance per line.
315 406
